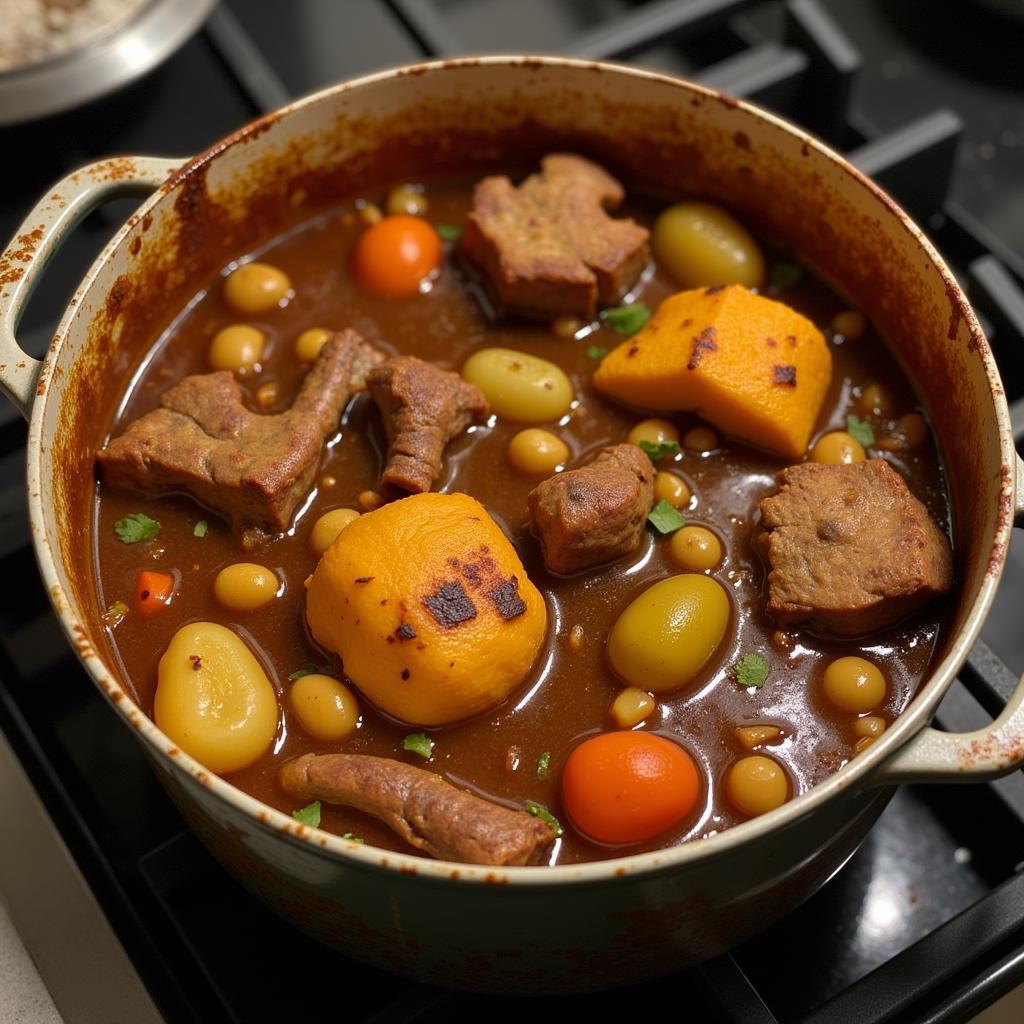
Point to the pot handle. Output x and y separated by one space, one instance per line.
997 750
40 236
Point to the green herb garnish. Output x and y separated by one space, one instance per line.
627 320
449 232
419 743
353 839
596 352
308 815
658 449
199 530
136 527
751 670
786 275
543 765
665 518
539 811
306 670
860 430
114 614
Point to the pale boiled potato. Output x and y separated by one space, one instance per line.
520 386
667 635
213 698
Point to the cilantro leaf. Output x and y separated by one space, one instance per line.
306 670
135 527
199 530
353 839
596 352
665 518
751 670
786 275
860 430
449 232
419 743
308 815
627 320
539 811
543 765
658 449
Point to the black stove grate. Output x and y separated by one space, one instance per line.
926 922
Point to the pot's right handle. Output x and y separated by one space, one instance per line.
40 236
934 756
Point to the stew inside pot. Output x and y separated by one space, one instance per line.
487 524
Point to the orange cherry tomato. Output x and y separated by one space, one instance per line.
153 592
624 787
395 255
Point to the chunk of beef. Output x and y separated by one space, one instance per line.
549 247
850 548
427 812
254 469
424 407
594 514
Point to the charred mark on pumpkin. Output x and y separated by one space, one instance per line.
704 342
405 632
507 600
784 375
450 605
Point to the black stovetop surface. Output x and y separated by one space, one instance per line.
926 922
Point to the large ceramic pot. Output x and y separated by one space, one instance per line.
520 929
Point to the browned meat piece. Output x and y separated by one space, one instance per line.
424 407
594 514
549 247
850 548
254 469
421 807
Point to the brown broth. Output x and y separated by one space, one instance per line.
568 695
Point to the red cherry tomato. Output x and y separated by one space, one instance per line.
395 255
625 787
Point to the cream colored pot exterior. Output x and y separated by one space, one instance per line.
522 929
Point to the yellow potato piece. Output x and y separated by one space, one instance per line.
429 607
213 698
751 366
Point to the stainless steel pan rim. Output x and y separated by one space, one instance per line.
909 751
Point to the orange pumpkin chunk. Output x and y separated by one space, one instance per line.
751 366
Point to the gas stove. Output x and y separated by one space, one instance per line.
926 922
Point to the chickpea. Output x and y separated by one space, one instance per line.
664 637
753 736
700 439
213 698
520 386
703 245
695 548
837 448
869 725
325 708
370 500
406 199
328 526
757 785
309 343
850 324
854 684
875 401
236 348
245 586
910 432
536 452
370 214
672 488
267 394
566 327
631 707
656 431
256 288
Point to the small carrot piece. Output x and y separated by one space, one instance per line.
153 592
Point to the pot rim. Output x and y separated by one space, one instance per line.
857 772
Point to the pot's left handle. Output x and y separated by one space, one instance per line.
40 236
934 756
